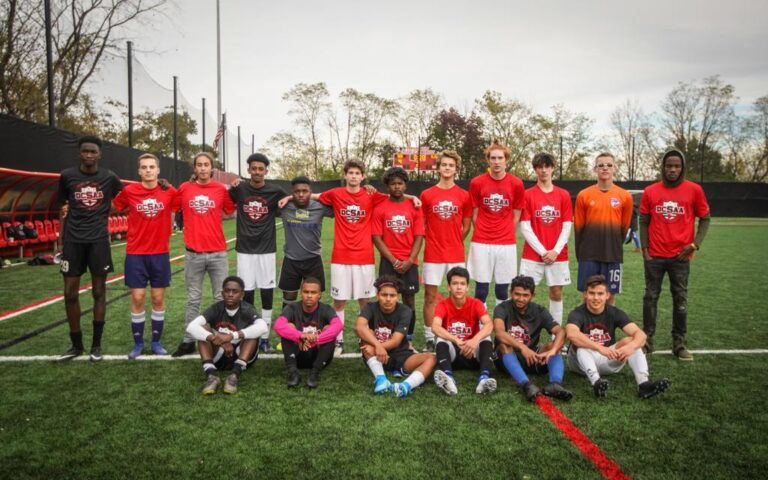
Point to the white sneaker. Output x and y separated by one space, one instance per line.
486 385
445 382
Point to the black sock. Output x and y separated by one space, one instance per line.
486 357
443 357
249 296
267 297
98 330
209 368
77 340
238 367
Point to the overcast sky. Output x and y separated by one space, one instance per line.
588 55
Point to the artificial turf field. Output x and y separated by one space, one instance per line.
143 419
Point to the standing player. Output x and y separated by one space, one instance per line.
447 218
668 210
226 334
308 330
594 351
518 324
303 226
256 245
88 191
601 220
398 233
546 226
203 202
464 331
497 201
382 327
147 260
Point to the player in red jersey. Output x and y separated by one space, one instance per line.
546 225
146 260
447 216
203 202
668 210
398 233
497 202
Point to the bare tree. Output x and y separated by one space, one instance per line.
308 102
575 131
510 122
634 141
413 116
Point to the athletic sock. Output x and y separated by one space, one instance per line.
249 296
239 367
428 335
77 340
481 291
266 315
158 321
639 365
209 368
515 370
443 354
415 379
137 327
98 330
376 367
587 364
340 336
556 368
556 310
502 292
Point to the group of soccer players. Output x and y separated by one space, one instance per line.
458 328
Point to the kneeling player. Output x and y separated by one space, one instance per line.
518 324
308 330
382 327
463 328
227 335
592 331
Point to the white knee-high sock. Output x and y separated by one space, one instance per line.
639 365
266 315
556 309
587 364
415 379
376 367
340 336
428 335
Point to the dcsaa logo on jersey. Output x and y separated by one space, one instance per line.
150 207
201 204
383 333
445 209
599 335
519 333
670 210
310 328
255 208
398 223
615 202
460 329
352 213
89 195
548 213
495 202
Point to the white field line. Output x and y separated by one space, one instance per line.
279 356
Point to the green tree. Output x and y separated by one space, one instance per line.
464 134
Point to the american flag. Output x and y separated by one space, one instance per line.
219 133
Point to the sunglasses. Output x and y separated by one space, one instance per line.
604 165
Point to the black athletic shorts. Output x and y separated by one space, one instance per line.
293 272
410 278
223 362
95 256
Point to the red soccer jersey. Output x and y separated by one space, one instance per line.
444 210
547 212
398 223
202 207
673 212
463 322
352 243
496 201
149 218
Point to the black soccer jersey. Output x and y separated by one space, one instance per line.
221 321
256 212
90 198
525 328
384 325
599 328
313 322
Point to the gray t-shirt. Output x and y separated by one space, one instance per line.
303 229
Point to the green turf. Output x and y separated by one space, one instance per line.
137 420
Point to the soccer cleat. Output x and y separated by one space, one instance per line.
601 387
231 384
70 354
184 348
650 389
293 378
381 385
402 390
339 349
314 379
429 347
445 382
95 354
138 349
486 385
564 350
555 390
158 349
211 385
265 347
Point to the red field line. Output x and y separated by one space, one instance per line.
608 468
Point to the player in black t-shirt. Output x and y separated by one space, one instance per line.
308 330
518 323
87 191
594 350
383 328
227 334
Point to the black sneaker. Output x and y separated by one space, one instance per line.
555 390
601 387
96 354
70 354
429 346
184 348
293 378
531 391
314 379
650 389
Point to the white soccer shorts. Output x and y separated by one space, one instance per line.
492 262
352 282
257 270
556 274
434 273
605 366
